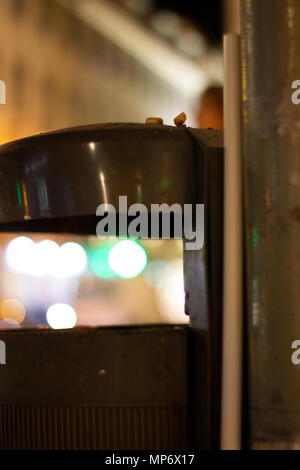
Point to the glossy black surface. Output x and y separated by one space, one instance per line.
69 173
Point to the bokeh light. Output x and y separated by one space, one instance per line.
19 253
155 271
12 309
99 262
45 258
9 324
61 317
127 259
73 260
170 292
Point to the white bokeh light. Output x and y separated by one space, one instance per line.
61 317
46 255
73 260
170 292
19 253
45 258
127 259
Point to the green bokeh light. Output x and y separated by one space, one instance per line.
99 261
125 258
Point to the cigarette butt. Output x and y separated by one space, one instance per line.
180 120
154 120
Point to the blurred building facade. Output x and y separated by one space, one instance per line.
76 62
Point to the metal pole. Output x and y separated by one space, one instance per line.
271 62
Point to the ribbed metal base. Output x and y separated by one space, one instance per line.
95 388
275 445
92 428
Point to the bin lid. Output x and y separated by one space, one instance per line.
58 179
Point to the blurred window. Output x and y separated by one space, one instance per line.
47 95
61 281
45 15
19 76
17 7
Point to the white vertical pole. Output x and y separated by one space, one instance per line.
231 16
233 255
